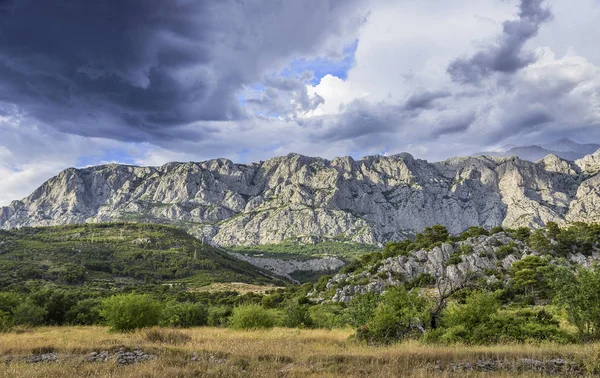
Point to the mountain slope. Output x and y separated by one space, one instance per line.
109 255
295 197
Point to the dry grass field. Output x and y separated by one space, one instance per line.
211 352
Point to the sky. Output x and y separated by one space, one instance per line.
147 82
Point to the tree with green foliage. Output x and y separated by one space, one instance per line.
393 249
522 233
539 242
399 315
85 312
128 312
474 232
218 316
29 314
361 308
529 276
579 294
296 315
430 236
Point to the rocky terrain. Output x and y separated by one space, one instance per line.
372 200
283 268
474 257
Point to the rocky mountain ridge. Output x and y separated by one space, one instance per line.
294 197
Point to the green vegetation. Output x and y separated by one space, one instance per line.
130 312
540 298
252 316
115 255
292 249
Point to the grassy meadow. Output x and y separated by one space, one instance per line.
279 352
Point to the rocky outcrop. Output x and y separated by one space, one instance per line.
477 257
285 267
371 200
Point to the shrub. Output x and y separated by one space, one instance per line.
326 315
131 311
481 321
522 233
85 312
29 314
9 301
399 315
6 322
393 249
184 315
454 259
361 309
496 230
296 315
252 316
474 231
505 250
218 316
423 279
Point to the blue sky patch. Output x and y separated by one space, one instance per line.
322 66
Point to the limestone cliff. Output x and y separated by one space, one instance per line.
371 200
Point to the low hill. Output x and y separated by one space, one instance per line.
117 254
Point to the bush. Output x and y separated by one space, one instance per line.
496 230
218 316
29 314
361 309
85 312
252 316
454 259
9 301
326 315
296 315
473 232
131 311
184 315
6 322
522 233
481 321
505 250
400 315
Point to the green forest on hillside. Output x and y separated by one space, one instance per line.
113 255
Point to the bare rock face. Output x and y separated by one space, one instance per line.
372 200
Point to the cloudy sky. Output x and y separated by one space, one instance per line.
151 81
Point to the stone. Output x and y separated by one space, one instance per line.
294 197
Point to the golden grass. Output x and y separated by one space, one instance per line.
272 353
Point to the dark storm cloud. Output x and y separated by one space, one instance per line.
424 100
138 69
507 55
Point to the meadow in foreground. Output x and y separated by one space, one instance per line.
218 352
